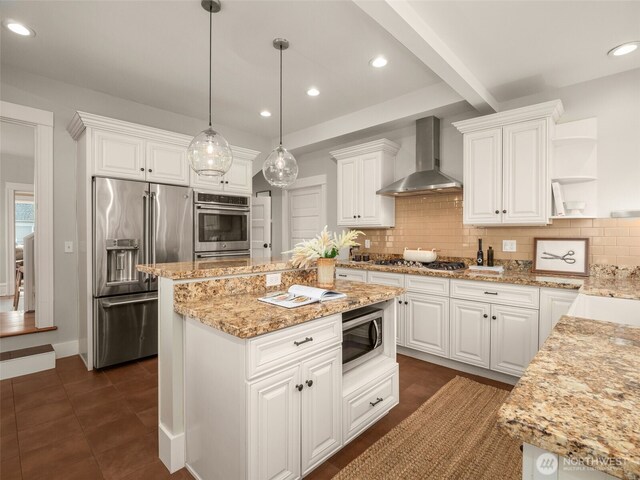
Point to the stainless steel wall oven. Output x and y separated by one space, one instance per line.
221 225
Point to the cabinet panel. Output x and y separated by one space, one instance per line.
470 332
401 322
427 323
505 294
369 183
321 408
426 284
347 191
118 155
167 163
205 182
384 278
482 172
274 426
514 338
351 274
239 179
553 304
525 183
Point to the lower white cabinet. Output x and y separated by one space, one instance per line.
351 274
554 303
514 338
427 323
470 332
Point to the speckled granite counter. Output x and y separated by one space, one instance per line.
244 316
216 267
612 287
580 396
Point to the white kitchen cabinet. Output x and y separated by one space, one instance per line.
554 303
506 166
470 332
238 180
393 280
427 323
514 338
118 155
167 163
362 171
351 274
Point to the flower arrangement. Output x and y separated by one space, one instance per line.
325 245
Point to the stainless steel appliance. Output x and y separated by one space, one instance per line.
134 222
362 334
221 225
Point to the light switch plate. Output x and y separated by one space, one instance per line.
274 279
68 247
367 243
508 245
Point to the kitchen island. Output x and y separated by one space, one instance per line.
252 390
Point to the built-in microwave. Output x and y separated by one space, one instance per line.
221 223
362 334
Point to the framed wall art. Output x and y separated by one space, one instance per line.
561 256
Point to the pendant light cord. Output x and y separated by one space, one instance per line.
280 95
210 59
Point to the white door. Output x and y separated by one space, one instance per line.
167 163
274 426
348 171
370 170
321 408
553 304
307 213
238 179
427 323
470 332
118 155
514 338
524 165
482 172
261 227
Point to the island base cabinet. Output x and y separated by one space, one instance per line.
554 304
514 338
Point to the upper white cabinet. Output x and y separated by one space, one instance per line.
118 149
506 166
362 171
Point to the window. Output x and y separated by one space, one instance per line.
25 219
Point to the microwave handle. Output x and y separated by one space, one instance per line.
377 328
373 339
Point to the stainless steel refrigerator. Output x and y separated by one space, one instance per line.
134 222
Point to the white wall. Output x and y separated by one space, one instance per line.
63 100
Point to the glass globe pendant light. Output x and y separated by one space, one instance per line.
280 168
209 153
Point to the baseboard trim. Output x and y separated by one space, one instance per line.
16 367
171 449
192 472
67 349
454 364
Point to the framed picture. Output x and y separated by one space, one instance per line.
568 256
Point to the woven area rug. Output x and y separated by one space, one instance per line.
452 436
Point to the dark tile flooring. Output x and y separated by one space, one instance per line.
72 424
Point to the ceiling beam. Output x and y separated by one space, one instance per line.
401 20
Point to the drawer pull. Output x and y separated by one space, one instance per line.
342 275
299 387
307 339
490 293
378 400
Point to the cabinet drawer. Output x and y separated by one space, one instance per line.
384 278
433 285
277 349
499 293
351 274
369 403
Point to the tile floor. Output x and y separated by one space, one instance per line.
72 424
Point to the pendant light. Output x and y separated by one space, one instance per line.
280 168
209 153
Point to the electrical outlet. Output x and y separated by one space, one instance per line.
274 279
367 243
68 247
508 245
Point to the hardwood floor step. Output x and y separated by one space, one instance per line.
23 361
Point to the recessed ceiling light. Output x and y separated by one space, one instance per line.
623 49
313 92
378 62
265 113
19 28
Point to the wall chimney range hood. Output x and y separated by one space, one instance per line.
428 179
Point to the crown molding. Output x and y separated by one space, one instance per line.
552 109
381 145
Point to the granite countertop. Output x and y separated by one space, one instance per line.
244 316
217 267
580 396
612 287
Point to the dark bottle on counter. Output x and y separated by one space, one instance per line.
480 255
490 256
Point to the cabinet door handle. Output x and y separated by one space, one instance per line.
150 170
221 181
309 383
406 303
485 315
142 169
399 302
226 181
378 400
504 211
354 216
358 216
490 293
497 212
307 339
299 387
493 317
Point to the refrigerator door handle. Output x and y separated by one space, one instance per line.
145 232
152 227
107 304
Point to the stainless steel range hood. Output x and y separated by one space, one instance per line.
428 178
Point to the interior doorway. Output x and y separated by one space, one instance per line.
305 210
261 226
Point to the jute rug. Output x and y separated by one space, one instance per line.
452 436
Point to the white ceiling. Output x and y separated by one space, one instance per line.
156 53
